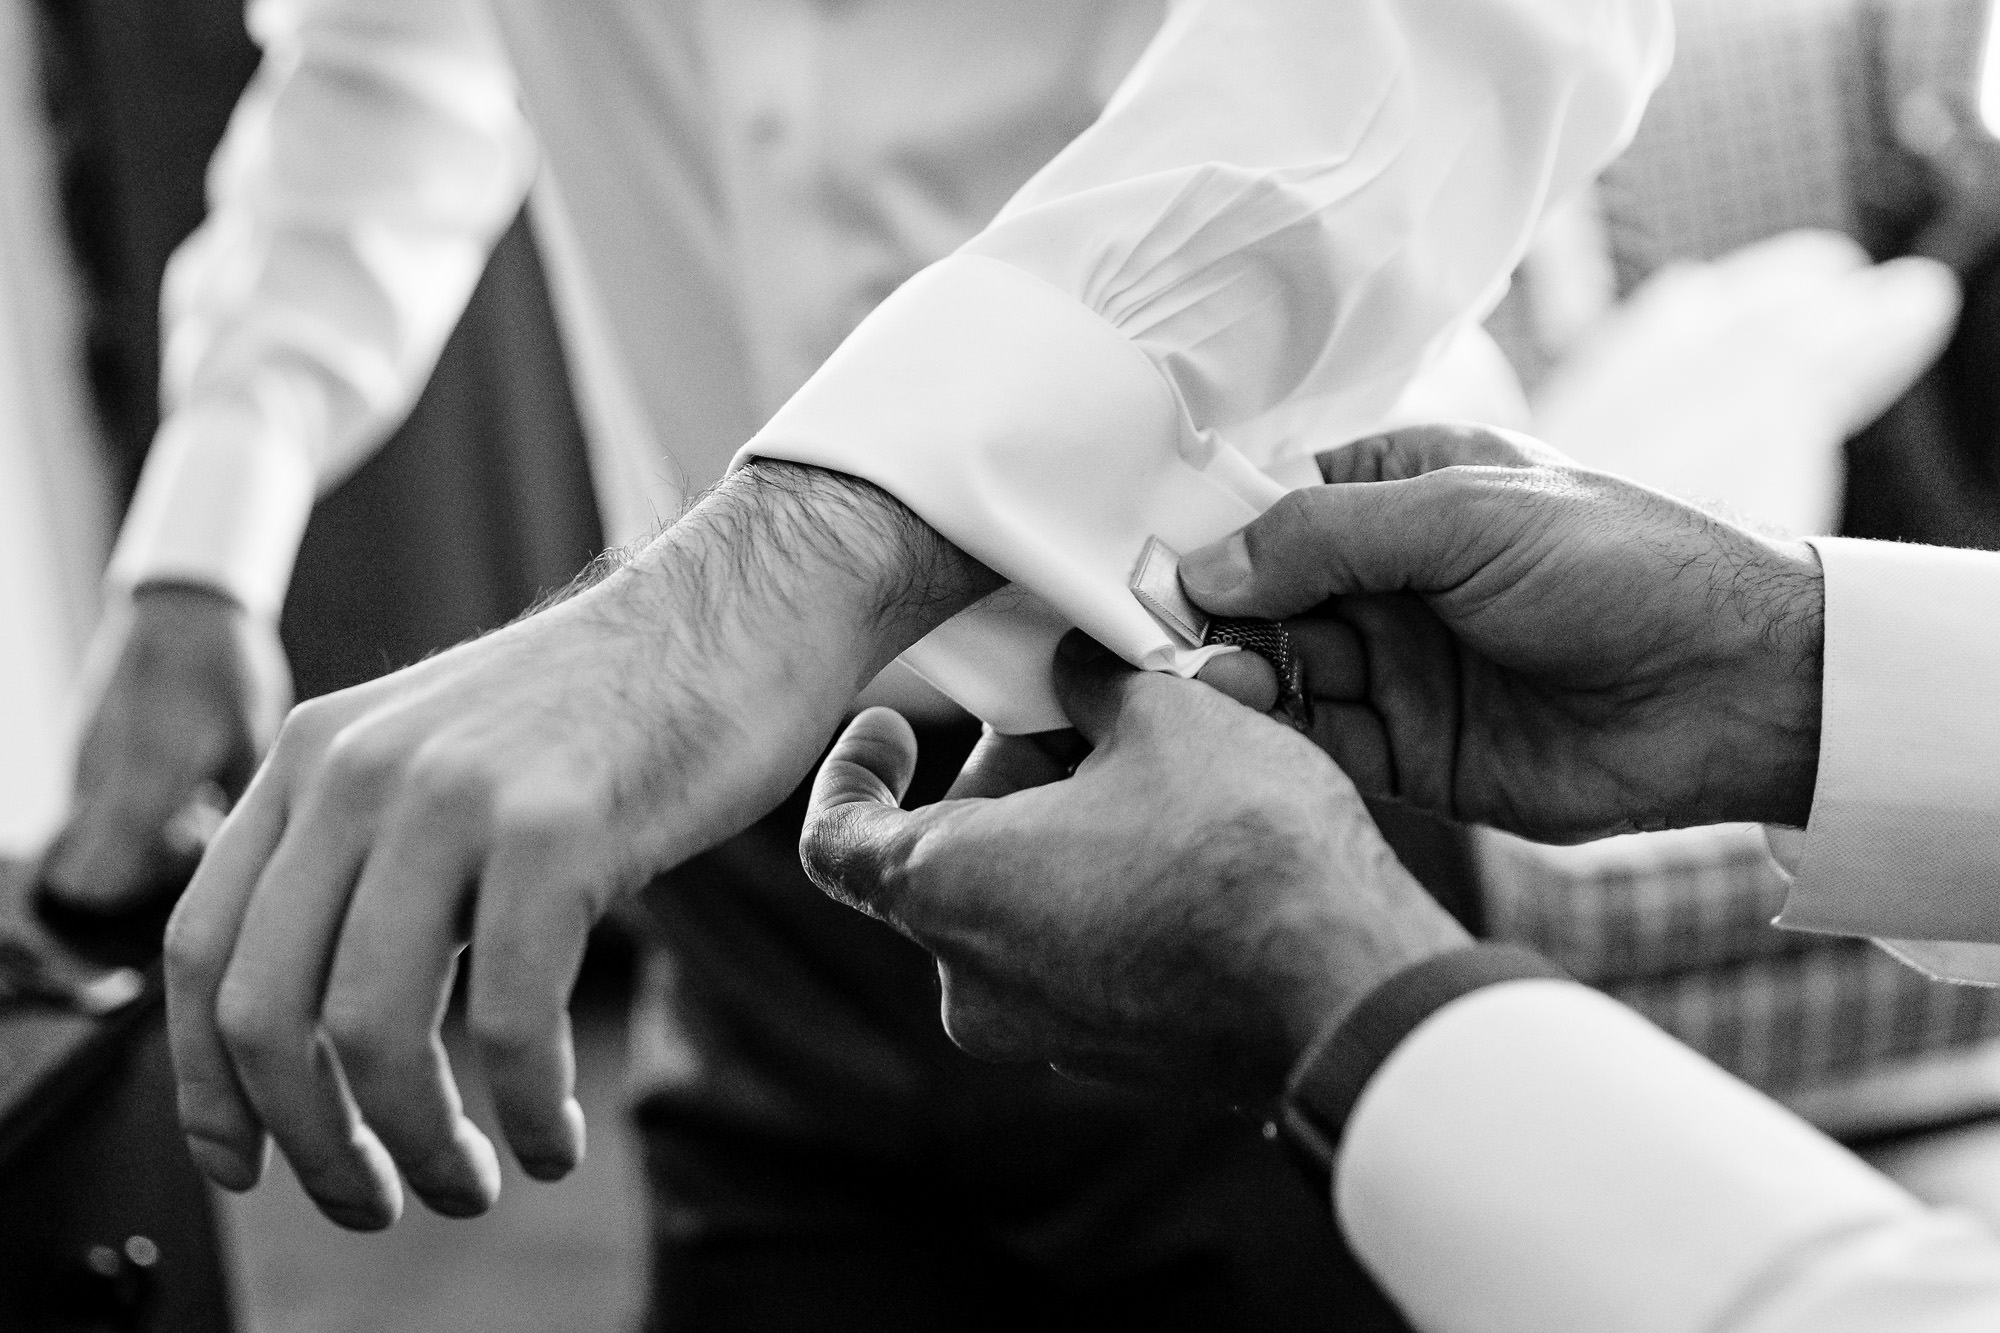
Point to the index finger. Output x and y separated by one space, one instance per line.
224 1134
1427 534
1398 455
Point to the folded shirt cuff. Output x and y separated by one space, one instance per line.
223 502
1037 438
1904 837
1536 1158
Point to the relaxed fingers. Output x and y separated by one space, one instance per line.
224 1134
392 978
532 922
269 1011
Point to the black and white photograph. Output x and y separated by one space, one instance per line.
963 666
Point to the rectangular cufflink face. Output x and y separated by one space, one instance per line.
1156 582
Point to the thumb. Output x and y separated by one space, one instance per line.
852 840
1421 535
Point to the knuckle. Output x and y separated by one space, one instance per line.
247 1024
505 1032
186 950
447 769
356 764
308 727
447 785
819 853
831 854
543 816
1463 489
1293 513
359 1032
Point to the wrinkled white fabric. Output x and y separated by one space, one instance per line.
1287 249
1288 209
371 163
722 189
1535 1158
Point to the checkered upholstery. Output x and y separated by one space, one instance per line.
1753 133
1777 115
1678 927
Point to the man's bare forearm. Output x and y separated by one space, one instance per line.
848 571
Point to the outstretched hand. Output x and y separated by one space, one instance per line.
1501 637
1189 908
500 795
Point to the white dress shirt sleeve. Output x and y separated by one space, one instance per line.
366 173
1286 210
1535 1158
1903 842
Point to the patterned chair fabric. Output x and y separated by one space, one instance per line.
1778 114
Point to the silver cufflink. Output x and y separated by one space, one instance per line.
1156 582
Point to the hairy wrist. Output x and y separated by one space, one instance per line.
836 564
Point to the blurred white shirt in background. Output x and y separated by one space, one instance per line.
53 501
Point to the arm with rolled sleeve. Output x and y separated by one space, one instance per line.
1285 211
366 174
1903 843
1514 1153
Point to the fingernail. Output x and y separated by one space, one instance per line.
547 1169
458 1204
553 1162
1217 570
463 1179
225 1166
357 1216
